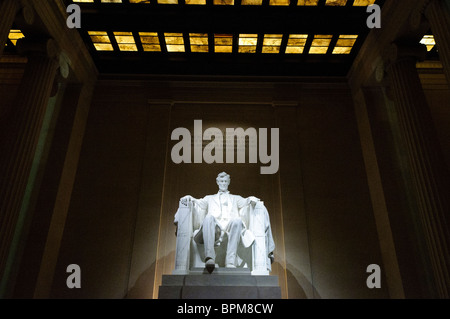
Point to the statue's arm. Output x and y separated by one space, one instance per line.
201 203
247 201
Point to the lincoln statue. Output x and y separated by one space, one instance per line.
223 222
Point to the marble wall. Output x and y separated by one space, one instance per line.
120 223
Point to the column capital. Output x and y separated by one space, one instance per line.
26 15
423 5
427 4
45 47
402 51
421 11
16 4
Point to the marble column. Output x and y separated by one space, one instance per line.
437 13
8 11
429 173
22 134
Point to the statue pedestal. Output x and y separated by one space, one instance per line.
222 283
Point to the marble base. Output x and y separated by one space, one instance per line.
222 283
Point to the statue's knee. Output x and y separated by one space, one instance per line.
236 223
208 219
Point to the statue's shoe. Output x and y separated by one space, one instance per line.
210 264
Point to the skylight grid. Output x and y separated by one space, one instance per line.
223 43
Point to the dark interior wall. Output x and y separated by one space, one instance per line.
101 225
120 229
341 227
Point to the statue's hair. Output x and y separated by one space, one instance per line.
222 175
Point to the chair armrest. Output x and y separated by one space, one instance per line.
183 222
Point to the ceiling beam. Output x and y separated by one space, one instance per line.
226 19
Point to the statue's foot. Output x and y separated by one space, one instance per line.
210 264
231 266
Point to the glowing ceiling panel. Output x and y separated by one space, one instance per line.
307 2
336 2
272 43
363 3
199 42
345 44
101 40
174 42
150 41
296 43
224 2
15 35
198 2
223 43
125 41
279 2
247 43
320 44
251 2
429 41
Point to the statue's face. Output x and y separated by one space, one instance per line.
223 183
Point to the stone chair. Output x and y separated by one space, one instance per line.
254 253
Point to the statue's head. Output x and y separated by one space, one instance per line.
223 180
